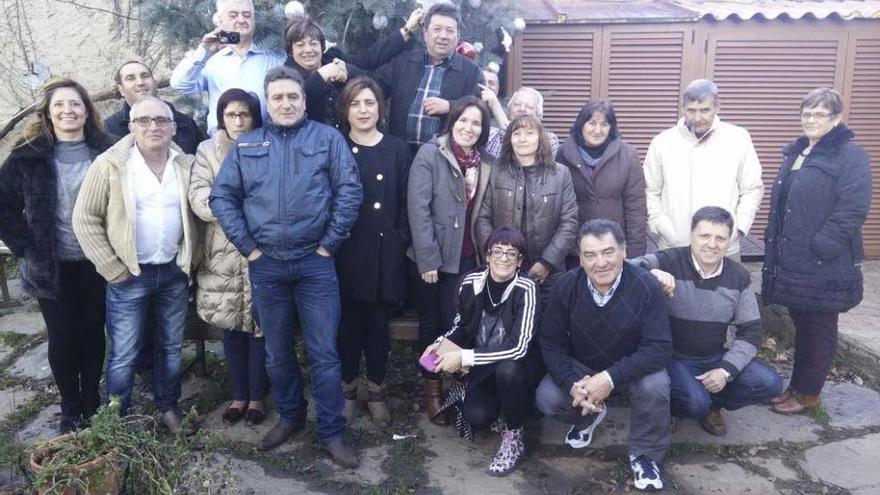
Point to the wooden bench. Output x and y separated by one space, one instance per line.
6 301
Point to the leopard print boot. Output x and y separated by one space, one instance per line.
509 454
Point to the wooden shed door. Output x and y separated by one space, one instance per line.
863 117
762 79
558 61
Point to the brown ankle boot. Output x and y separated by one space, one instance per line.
798 403
784 396
350 392
433 400
376 403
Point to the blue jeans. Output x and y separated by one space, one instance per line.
308 283
754 384
164 289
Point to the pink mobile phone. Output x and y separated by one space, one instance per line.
429 361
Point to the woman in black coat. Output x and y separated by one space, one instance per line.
325 72
371 262
39 183
813 241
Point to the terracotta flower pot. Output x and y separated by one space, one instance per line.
99 476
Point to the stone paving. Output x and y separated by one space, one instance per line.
835 451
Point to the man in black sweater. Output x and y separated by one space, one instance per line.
606 328
708 294
134 80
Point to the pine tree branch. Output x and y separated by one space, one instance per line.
98 9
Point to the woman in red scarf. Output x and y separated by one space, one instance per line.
446 184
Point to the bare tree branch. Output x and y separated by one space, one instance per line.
98 9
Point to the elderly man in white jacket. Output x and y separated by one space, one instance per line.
702 161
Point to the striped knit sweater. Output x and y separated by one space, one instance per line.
518 309
702 310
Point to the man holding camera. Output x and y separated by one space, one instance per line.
227 58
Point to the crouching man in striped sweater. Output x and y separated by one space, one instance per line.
707 294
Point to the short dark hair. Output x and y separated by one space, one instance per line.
600 105
459 107
240 95
350 92
506 235
599 227
118 75
282 72
446 10
825 97
299 28
712 214
544 155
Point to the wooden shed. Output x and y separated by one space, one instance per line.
764 55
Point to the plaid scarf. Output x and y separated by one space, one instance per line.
467 162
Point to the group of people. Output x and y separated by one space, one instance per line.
333 185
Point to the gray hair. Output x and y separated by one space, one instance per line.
219 4
599 227
699 90
282 72
825 97
539 109
147 99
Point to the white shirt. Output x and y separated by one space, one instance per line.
158 216
200 70
700 269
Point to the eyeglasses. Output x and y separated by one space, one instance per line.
815 115
144 122
239 115
510 254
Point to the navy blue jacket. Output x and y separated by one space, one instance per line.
814 251
288 190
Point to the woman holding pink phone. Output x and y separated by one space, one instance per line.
491 342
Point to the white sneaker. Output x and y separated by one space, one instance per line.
646 473
578 439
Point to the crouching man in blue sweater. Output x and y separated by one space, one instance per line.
606 328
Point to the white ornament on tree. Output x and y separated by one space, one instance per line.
478 47
294 9
519 23
380 21
475 3
493 67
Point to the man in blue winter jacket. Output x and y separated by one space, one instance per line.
286 196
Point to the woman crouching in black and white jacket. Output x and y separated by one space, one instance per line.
493 333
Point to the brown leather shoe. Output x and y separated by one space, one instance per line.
342 454
784 396
714 424
433 401
279 434
797 404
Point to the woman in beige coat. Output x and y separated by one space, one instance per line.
223 297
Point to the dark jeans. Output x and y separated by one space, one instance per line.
815 345
246 356
756 383
164 289
650 424
75 323
507 391
310 284
437 306
364 329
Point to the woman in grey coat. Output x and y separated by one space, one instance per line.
530 192
447 181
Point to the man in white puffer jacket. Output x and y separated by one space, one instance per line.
699 162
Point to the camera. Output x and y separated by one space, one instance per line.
229 38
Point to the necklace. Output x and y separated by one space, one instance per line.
489 291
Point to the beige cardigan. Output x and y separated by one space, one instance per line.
104 215
684 174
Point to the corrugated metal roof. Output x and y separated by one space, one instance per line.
601 12
617 11
771 9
